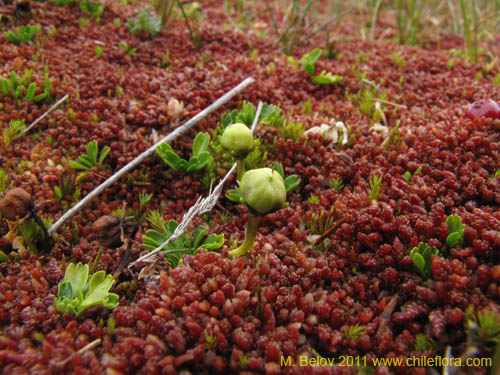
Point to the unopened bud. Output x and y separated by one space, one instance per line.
107 230
16 204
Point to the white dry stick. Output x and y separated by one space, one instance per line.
200 207
45 114
150 151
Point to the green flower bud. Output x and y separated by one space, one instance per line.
238 138
263 190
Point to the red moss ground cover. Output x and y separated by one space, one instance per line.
287 297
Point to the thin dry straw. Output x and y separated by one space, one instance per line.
45 114
200 207
150 151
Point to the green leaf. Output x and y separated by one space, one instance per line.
13 80
234 195
291 182
97 293
104 152
200 143
407 176
152 239
3 257
198 235
169 156
456 230
112 301
198 162
278 168
453 239
77 276
213 242
77 165
65 291
419 262
326 78
171 227
39 97
309 59
5 86
92 148
30 93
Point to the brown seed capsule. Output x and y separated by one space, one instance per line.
107 230
16 203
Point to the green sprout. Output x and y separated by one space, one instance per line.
456 230
319 224
421 257
79 291
424 343
184 244
337 184
144 20
313 199
354 332
13 131
129 50
393 138
92 158
375 187
496 174
23 34
263 191
95 9
144 198
210 341
486 323
408 175
199 159
243 362
4 186
307 64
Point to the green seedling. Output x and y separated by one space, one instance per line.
486 324
243 362
79 291
184 244
421 257
92 158
4 185
408 175
263 191
394 138
199 159
456 230
14 86
308 62
23 34
210 341
313 199
337 184
424 343
128 49
95 9
354 332
191 12
13 131
144 20
375 188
